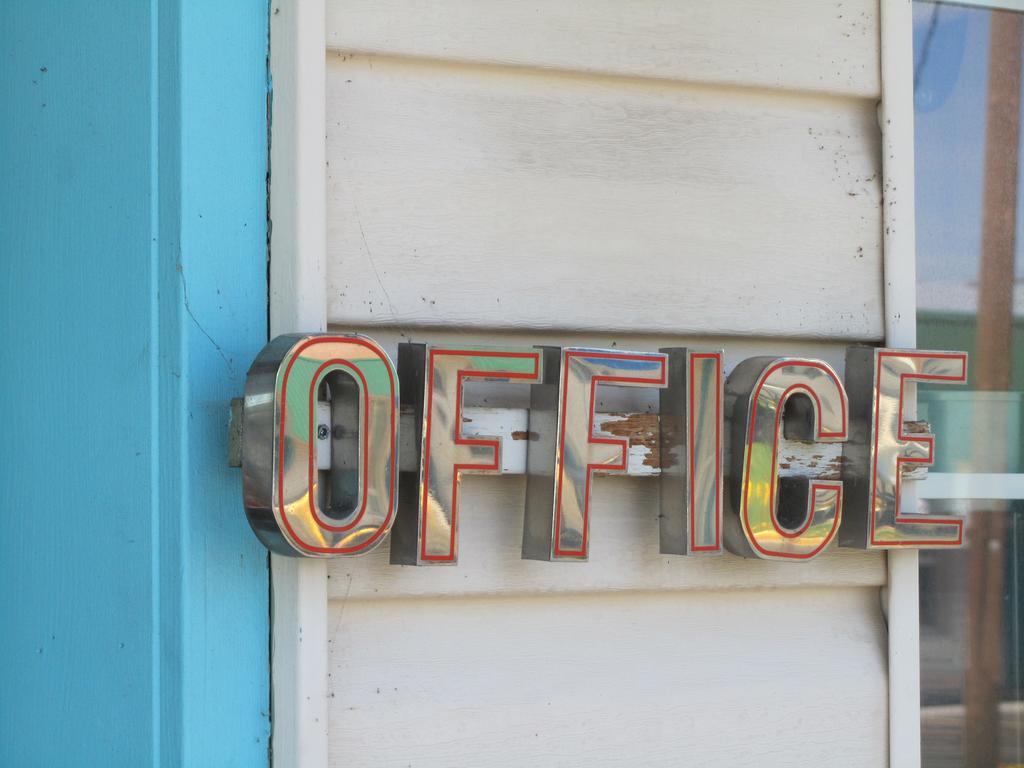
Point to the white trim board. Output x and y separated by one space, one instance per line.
900 598
298 663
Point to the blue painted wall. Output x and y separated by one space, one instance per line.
133 598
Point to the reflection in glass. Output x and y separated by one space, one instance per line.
967 99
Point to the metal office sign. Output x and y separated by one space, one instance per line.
323 477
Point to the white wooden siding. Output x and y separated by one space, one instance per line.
632 175
650 678
467 196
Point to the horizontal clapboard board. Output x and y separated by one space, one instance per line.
669 679
467 197
817 45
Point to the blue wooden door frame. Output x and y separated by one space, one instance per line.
134 600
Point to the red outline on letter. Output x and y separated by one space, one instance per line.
717 357
622 443
279 452
929 440
461 377
773 499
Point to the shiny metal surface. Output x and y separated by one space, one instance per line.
294 507
691 453
883 394
564 452
767 397
445 453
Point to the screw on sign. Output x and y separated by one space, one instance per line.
720 438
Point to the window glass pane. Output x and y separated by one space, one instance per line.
967 100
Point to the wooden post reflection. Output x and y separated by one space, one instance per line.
986 532
985 573
996 274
